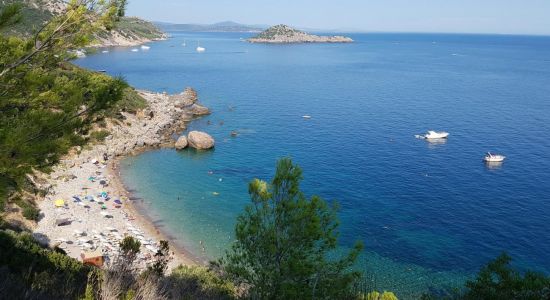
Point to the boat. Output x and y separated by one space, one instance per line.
184 44
135 50
492 158
200 49
306 116
143 47
105 51
80 53
436 135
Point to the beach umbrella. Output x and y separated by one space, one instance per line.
102 182
104 194
59 203
89 198
118 201
103 206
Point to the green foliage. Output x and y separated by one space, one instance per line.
29 271
10 14
284 240
47 104
99 136
498 280
190 282
30 212
129 249
160 264
377 296
121 7
131 102
277 31
137 28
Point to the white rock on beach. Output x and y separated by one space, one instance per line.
181 143
200 140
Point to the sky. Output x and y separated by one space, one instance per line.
451 16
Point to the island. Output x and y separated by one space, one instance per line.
283 34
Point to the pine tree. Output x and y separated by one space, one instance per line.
284 243
47 104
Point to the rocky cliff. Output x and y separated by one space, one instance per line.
283 34
129 31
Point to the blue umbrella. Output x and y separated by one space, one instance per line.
118 201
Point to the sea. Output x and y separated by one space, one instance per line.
430 213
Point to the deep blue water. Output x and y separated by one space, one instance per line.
429 214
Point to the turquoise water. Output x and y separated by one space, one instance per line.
430 214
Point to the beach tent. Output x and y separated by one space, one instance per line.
59 203
93 258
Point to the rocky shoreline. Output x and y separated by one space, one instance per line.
282 34
96 211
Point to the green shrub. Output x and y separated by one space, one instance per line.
29 210
31 272
99 136
190 282
31 213
130 102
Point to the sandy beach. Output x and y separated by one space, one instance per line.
87 208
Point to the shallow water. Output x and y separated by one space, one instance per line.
430 214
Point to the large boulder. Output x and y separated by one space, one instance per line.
199 110
181 143
200 140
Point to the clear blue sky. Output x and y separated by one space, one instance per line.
473 16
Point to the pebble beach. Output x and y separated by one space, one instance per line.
87 209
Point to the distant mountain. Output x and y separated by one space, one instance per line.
227 26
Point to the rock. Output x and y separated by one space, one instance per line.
190 94
282 34
181 143
200 140
199 110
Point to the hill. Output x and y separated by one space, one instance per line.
283 34
129 31
227 26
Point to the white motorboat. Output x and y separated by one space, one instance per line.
306 117
80 53
492 158
145 47
135 50
200 49
436 135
